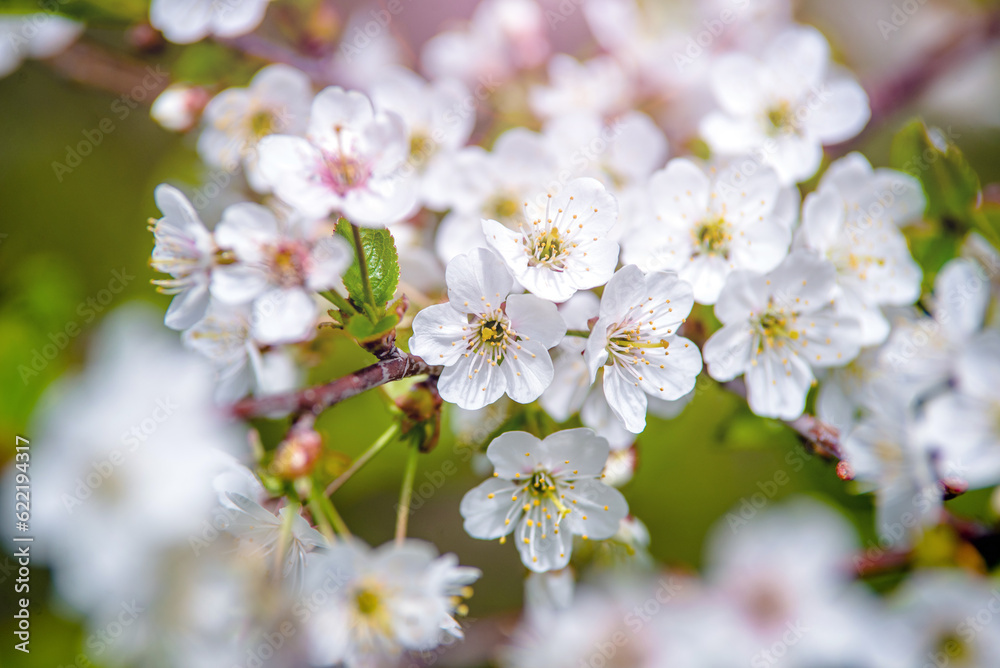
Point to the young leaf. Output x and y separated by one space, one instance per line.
381 260
951 185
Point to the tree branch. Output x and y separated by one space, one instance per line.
395 366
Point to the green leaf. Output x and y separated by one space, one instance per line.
363 329
382 262
951 185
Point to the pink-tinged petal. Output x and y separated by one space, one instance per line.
333 109
239 283
292 167
188 306
246 229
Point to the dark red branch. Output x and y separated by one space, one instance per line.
315 399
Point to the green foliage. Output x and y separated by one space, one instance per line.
951 185
208 63
364 329
382 263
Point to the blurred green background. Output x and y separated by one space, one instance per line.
62 240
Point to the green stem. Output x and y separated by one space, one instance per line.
365 457
340 302
363 266
578 332
320 517
284 538
338 522
406 495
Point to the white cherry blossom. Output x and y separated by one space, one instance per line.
490 342
277 265
851 219
40 35
635 339
369 605
597 86
561 245
545 492
786 105
777 328
186 21
185 249
277 101
710 223
351 161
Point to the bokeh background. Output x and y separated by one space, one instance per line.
63 237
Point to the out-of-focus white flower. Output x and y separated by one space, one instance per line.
946 609
477 185
225 337
40 35
885 456
370 605
545 492
439 121
597 86
124 473
635 340
710 224
278 266
186 250
851 219
621 153
490 342
186 21
961 428
785 106
276 102
777 328
262 535
502 37
562 244
179 106
351 161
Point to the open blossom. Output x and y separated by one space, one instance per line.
635 340
277 266
186 21
380 602
709 224
851 220
490 342
276 101
545 492
184 249
777 328
785 106
478 185
562 244
351 161
598 86
439 122
225 337
40 35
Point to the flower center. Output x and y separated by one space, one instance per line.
712 237
774 330
288 263
541 484
341 173
491 334
367 602
502 207
548 248
262 123
421 147
955 648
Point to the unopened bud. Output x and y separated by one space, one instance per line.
179 106
297 455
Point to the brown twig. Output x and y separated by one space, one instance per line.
393 367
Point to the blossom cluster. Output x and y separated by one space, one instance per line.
587 241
